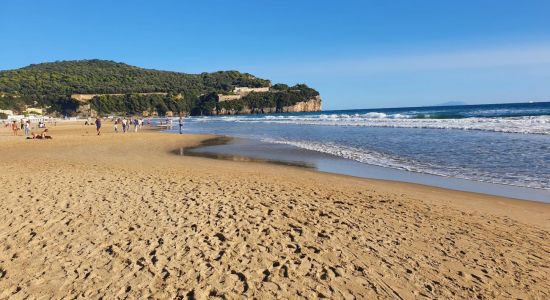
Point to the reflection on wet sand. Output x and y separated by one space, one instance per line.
199 151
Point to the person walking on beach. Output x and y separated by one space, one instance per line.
116 126
14 128
98 125
27 128
136 124
181 124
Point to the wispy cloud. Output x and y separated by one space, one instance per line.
532 55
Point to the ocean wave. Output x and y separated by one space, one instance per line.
360 155
389 161
525 124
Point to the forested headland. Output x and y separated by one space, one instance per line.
122 89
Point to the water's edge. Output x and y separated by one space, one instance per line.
224 140
243 150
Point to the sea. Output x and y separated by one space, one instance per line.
500 149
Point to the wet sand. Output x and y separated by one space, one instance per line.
119 216
239 149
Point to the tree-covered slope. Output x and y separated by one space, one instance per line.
103 77
51 84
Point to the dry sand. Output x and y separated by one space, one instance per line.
120 216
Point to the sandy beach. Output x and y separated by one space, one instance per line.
121 216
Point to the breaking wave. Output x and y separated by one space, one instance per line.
524 124
390 161
514 150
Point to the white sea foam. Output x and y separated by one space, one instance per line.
526 124
496 162
360 155
388 161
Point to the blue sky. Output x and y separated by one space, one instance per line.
358 54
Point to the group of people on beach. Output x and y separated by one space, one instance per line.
15 127
137 124
126 124
169 124
25 125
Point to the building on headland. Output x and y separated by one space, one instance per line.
34 110
27 112
88 97
241 91
7 112
86 110
222 97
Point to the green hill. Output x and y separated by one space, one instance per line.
52 84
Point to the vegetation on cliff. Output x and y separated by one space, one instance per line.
280 96
205 104
137 104
52 84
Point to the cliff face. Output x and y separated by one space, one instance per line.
313 104
310 105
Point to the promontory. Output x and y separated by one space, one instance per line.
99 87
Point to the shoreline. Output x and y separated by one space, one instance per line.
205 140
232 149
120 215
467 196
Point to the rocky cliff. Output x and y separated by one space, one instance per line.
314 104
310 105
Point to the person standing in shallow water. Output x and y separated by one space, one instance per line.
98 125
181 124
